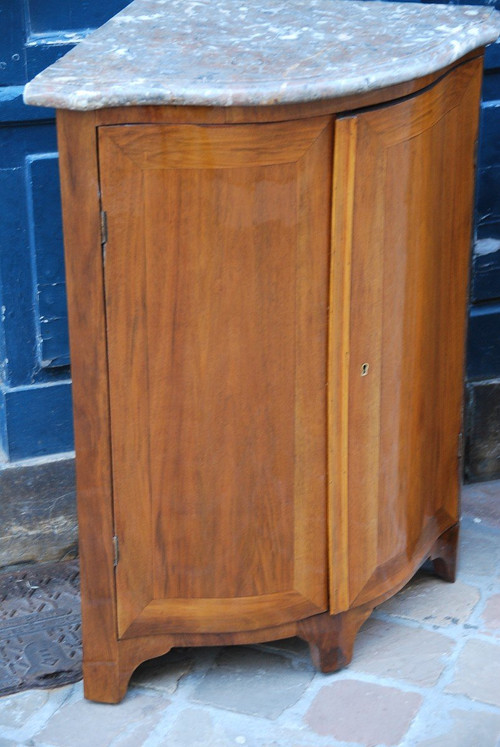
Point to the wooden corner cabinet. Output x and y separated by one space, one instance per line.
267 313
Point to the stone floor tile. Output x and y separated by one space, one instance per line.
16 709
482 500
293 740
253 682
388 649
430 600
491 616
27 712
479 550
127 724
477 672
163 673
194 727
355 711
468 729
295 646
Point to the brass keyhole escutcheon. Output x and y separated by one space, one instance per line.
364 369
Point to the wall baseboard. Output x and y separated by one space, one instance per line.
38 512
482 431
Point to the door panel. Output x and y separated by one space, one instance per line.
409 167
216 292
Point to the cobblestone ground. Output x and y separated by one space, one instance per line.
426 673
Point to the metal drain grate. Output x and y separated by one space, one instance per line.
40 637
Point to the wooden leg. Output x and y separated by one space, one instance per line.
444 554
103 681
107 681
331 637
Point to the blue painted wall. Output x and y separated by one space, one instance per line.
484 328
35 388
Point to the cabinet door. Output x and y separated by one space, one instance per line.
216 276
402 229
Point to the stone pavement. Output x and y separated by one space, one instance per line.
425 673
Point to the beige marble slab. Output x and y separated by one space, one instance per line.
258 52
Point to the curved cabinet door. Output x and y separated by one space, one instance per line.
403 189
216 278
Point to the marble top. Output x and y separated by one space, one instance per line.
257 52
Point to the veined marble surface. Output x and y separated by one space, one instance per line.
257 52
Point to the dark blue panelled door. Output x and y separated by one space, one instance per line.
35 387
483 363
484 339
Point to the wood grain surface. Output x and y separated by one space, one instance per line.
77 141
399 330
267 364
216 293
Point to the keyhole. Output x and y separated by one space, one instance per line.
364 369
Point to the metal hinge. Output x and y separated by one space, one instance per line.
116 551
460 445
104 228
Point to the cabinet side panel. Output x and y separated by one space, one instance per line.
412 195
82 239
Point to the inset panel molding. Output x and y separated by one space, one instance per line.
47 253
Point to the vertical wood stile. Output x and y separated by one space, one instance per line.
77 143
344 162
